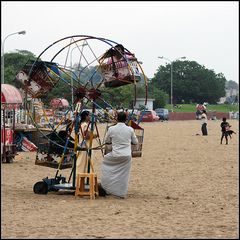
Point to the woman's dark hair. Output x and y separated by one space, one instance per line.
120 46
121 117
84 114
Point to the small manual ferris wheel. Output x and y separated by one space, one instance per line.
102 64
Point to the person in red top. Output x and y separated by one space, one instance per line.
200 108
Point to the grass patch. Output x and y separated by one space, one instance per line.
192 108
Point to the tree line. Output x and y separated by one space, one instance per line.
192 83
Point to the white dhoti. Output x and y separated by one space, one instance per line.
115 174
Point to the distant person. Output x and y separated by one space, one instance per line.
200 108
116 164
224 129
204 123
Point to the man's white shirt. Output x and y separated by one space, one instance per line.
121 136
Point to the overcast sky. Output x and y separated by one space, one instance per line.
206 32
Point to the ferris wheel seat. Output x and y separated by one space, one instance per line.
50 155
43 77
113 82
121 75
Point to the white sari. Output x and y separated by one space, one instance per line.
116 164
115 174
81 164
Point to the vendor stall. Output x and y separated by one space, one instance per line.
11 101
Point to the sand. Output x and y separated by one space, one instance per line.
184 186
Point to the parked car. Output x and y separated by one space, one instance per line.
148 116
162 113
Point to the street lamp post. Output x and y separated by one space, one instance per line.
2 65
172 75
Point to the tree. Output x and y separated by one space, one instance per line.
191 82
119 97
14 62
60 90
160 96
231 85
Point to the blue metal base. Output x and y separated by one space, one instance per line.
55 184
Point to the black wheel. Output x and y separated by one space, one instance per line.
40 188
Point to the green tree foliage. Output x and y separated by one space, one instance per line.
61 90
191 82
119 97
14 62
160 96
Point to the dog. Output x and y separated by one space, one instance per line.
230 132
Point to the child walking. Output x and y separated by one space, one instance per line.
224 127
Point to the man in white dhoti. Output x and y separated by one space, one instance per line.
116 164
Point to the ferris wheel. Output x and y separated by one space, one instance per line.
102 65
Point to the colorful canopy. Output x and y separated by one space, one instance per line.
59 103
10 95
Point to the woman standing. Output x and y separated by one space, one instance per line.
84 142
204 123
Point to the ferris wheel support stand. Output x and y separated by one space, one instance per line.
84 185
41 76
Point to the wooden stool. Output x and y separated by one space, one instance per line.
80 185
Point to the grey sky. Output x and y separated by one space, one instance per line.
206 32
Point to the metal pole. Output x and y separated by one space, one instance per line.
71 80
172 84
84 44
171 97
2 62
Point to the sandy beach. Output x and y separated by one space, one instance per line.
185 185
